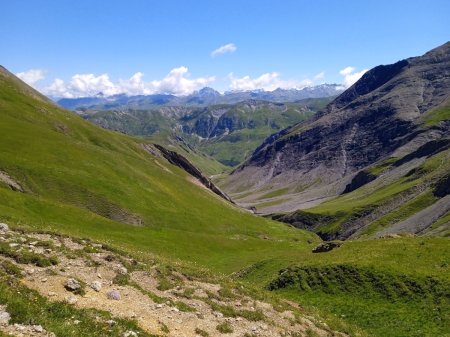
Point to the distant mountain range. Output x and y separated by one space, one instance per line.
204 97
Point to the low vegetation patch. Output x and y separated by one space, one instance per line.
224 327
25 257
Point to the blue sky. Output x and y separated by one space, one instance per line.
167 46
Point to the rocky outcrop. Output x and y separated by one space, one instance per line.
360 179
326 247
14 185
183 163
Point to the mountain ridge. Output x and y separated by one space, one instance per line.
382 115
204 97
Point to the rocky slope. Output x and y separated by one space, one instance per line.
160 301
394 111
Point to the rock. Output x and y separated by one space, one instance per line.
96 285
19 327
113 295
4 227
326 247
111 322
4 317
51 294
12 245
122 270
38 328
130 334
72 285
71 299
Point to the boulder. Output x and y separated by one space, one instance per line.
113 295
4 227
130 334
326 247
4 318
72 285
122 270
96 285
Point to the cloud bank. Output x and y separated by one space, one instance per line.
267 81
228 48
176 82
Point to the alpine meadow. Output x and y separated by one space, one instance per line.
269 169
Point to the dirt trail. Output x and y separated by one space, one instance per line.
162 301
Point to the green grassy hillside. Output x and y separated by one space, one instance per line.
83 180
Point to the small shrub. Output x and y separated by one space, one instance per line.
184 307
11 269
165 284
121 279
164 328
224 327
201 332
253 316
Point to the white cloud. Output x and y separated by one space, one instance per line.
267 81
31 76
177 82
228 48
350 76
319 76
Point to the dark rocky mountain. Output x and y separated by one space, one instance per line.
204 97
390 113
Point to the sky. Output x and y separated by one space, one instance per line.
79 48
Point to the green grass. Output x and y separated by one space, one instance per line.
385 287
381 304
224 327
26 257
437 115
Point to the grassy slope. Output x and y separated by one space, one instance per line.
369 304
79 177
